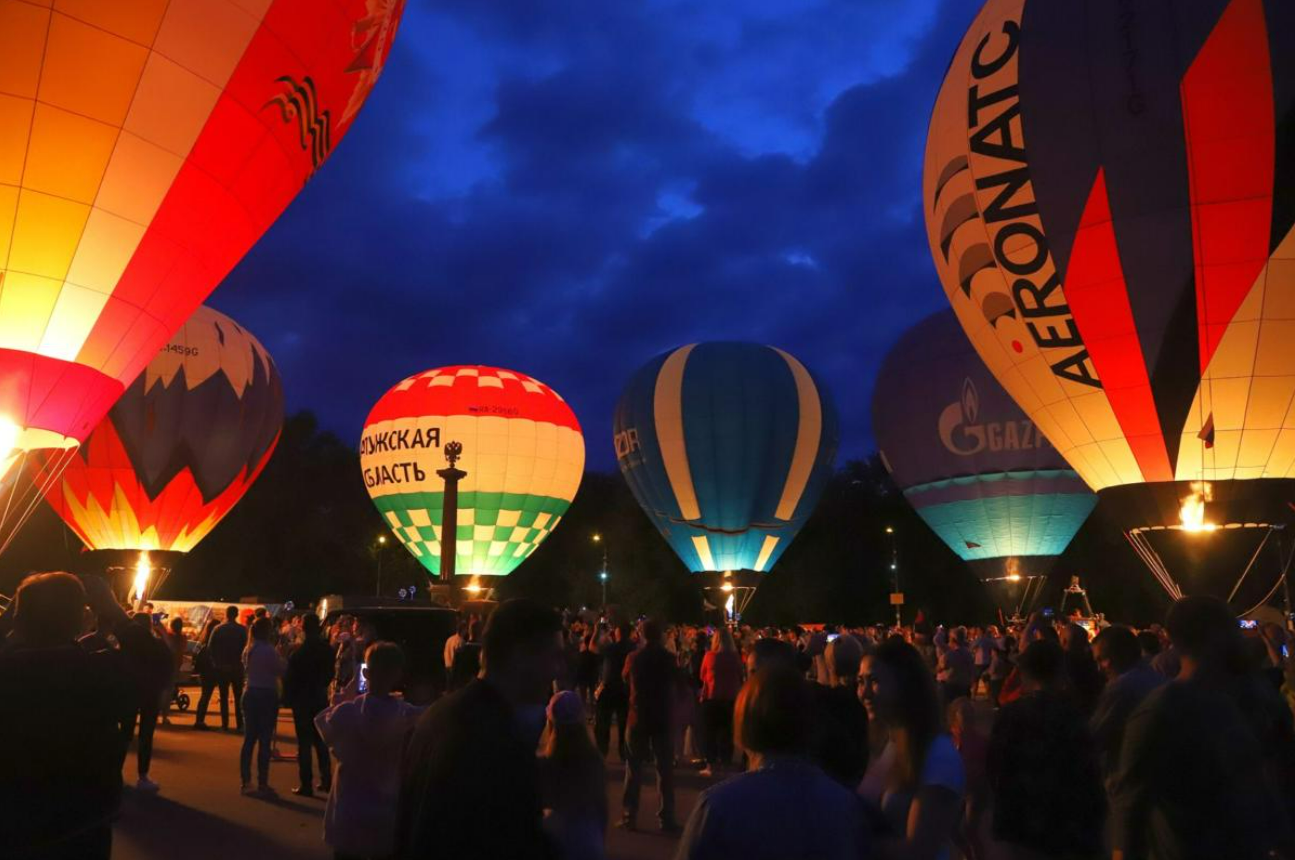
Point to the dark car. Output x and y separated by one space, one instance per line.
421 630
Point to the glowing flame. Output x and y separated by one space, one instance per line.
970 401
473 587
726 587
731 606
143 569
1192 512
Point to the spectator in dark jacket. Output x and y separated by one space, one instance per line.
470 786
60 716
649 674
305 690
226 650
1043 773
1128 681
149 663
839 740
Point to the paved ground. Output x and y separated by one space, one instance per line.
200 814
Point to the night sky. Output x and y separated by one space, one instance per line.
570 187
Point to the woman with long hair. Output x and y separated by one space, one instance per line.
262 667
917 781
721 680
574 781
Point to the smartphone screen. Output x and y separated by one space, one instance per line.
1248 623
364 677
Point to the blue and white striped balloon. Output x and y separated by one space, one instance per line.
727 446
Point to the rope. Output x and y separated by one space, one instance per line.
1246 572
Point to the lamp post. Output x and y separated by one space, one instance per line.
896 596
450 511
382 544
602 575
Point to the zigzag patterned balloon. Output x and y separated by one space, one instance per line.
182 445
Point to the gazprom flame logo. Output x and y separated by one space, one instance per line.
962 435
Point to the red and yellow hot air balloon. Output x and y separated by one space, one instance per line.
144 147
1109 204
180 447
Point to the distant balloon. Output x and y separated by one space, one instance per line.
522 450
145 147
727 447
182 445
1109 205
974 467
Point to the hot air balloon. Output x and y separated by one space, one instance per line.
727 448
145 147
181 446
975 468
521 448
1109 204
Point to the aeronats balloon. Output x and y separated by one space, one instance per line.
146 147
975 468
522 450
181 446
1116 239
727 447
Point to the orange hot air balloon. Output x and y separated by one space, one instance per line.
144 147
1109 205
181 446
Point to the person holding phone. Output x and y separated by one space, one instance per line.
367 735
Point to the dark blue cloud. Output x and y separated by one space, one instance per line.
569 187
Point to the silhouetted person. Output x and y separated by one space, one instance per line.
60 716
784 807
206 669
649 674
1128 682
226 650
1197 767
305 691
149 663
470 784
839 741
612 698
1043 773
721 680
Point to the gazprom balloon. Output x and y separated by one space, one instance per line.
727 447
975 468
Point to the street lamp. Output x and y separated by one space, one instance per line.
894 573
602 575
382 544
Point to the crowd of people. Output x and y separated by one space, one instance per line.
1031 740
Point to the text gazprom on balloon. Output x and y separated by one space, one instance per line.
389 441
1037 279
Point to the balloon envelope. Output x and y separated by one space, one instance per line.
145 147
522 450
727 447
1109 206
181 446
975 468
